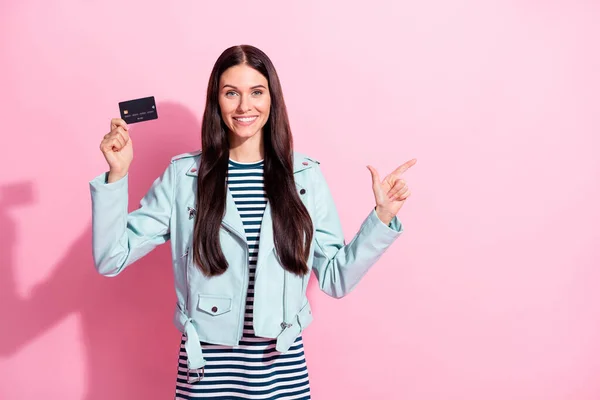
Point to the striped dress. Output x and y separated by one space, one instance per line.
254 369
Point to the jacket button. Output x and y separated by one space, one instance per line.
305 163
193 170
214 309
302 191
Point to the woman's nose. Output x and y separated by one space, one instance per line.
244 105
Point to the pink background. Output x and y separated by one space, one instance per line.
492 293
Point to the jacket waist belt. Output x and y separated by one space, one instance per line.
194 349
192 344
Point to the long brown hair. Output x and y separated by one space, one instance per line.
292 240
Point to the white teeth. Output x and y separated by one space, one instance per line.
250 119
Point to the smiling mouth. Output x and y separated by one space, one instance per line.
245 120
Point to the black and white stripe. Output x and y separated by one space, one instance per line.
254 369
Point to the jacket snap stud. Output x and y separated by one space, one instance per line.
214 309
193 170
302 191
305 163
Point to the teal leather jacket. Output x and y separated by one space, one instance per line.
212 309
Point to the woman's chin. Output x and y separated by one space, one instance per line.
243 134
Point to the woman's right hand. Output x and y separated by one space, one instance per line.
117 149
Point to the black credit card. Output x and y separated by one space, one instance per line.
138 110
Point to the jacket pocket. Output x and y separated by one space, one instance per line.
216 319
214 305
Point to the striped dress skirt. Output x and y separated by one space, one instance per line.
253 370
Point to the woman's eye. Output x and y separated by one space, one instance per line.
230 93
257 93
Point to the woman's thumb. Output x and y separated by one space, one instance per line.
374 176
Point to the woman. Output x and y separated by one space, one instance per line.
248 219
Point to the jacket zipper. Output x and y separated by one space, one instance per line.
243 299
284 324
187 279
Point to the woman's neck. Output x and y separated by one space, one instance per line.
248 151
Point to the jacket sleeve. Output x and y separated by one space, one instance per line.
120 238
339 266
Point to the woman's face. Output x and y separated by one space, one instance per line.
245 102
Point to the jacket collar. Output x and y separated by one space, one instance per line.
300 163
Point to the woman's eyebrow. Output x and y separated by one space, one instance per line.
253 87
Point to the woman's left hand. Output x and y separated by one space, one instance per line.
391 193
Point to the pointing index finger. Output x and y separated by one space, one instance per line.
404 167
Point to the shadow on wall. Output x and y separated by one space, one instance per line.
127 357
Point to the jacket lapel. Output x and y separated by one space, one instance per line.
232 219
266 240
267 243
